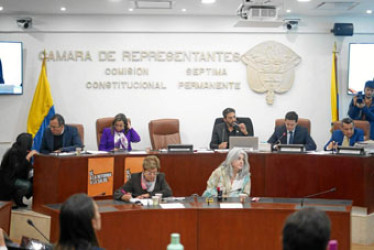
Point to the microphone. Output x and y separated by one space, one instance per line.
29 221
279 139
236 127
317 194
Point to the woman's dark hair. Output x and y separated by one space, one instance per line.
23 143
76 230
21 147
120 117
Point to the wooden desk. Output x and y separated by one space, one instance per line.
272 175
5 213
203 227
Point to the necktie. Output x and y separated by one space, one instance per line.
291 138
345 142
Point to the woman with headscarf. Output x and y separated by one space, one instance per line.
15 169
232 177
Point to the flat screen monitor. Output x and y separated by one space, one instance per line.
360 68
11 68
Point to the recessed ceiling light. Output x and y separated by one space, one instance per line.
303 0
1 8
369 11
184 10
208 1
131 9
288 11
63 8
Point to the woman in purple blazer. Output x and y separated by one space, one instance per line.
119 136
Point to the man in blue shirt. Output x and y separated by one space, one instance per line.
347 135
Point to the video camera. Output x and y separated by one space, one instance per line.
360 97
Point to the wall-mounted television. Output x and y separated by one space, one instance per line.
11 68
361 66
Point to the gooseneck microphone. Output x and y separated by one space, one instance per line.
280 138
29 221
317 194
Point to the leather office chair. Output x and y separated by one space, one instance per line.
80 130
164 132
246 120
102 123
364 125
301 121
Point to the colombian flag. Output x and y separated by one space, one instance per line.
41 110
334 90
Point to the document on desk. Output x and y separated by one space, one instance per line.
138 152
63 153
231 205
171 205
221 150
96 152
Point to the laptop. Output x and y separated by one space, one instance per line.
247 143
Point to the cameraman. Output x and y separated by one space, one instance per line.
362 106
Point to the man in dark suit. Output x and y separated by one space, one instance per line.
59 137
291 133
347 135
229 127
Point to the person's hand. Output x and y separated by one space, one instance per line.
128 123
126 197
332 145
143 196
223 145
31 154
243 128
57 151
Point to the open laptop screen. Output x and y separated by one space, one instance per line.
249 143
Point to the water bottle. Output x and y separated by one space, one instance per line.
175 244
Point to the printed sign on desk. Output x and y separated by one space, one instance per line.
100 176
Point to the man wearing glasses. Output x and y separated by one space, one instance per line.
59 137
145 184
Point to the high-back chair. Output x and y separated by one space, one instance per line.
164 132
301 121
246 120
364 125
80 129
102 123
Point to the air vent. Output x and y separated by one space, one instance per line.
153 4
262 12
337 6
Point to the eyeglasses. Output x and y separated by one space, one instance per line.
151 173
54 127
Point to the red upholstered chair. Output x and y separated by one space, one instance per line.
80 130
301 121
164 132
364 125
102 123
